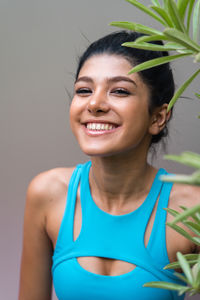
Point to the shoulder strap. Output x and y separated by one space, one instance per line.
158 233
65 234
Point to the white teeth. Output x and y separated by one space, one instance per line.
99 126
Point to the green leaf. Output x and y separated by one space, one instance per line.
189 52
180 91
146 10
177 46
198 95
180 230
182 6
156 62
193 179
175 16
195 217
187 158
185 267
191 259
163 14
182 39
193 292
151 38
191 155
190 9
193 227
183 207
187 213
156 3
196 21
165 4
196 240
148 46
172 211
181 277
164 285
136 27
196 273
197 58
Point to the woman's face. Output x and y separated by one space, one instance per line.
109 111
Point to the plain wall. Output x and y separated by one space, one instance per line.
40 43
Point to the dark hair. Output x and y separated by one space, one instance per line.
159 79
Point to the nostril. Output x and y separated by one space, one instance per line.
95 110
97 106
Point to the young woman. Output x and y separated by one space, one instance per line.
100 228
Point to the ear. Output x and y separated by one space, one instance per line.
159 118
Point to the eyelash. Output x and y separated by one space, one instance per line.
121 92
84 91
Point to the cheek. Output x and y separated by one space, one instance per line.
75 113
72 115
136 113
137 121
74 109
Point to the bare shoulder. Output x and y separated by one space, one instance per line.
185 195
44 186
188 196
43 190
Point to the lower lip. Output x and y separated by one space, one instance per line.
99 132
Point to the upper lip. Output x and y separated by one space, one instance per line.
100 121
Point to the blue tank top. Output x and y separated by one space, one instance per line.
118 237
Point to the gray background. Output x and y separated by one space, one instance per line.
40 43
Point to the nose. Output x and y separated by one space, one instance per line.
98 103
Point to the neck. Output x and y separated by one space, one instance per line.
119 180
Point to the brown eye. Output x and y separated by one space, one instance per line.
83 91
121 92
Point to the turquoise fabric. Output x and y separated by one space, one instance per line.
119 237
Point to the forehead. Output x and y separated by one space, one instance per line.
107 66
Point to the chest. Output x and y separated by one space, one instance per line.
103 265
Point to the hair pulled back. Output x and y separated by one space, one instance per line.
159 79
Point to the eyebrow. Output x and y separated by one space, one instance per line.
110 80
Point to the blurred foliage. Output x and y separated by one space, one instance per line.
181 34
181 21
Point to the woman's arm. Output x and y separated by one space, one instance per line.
35 275
188 196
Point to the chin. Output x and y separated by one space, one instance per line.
96 152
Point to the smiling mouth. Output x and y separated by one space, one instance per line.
97 129
100 126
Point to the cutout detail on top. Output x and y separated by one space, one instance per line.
105 266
